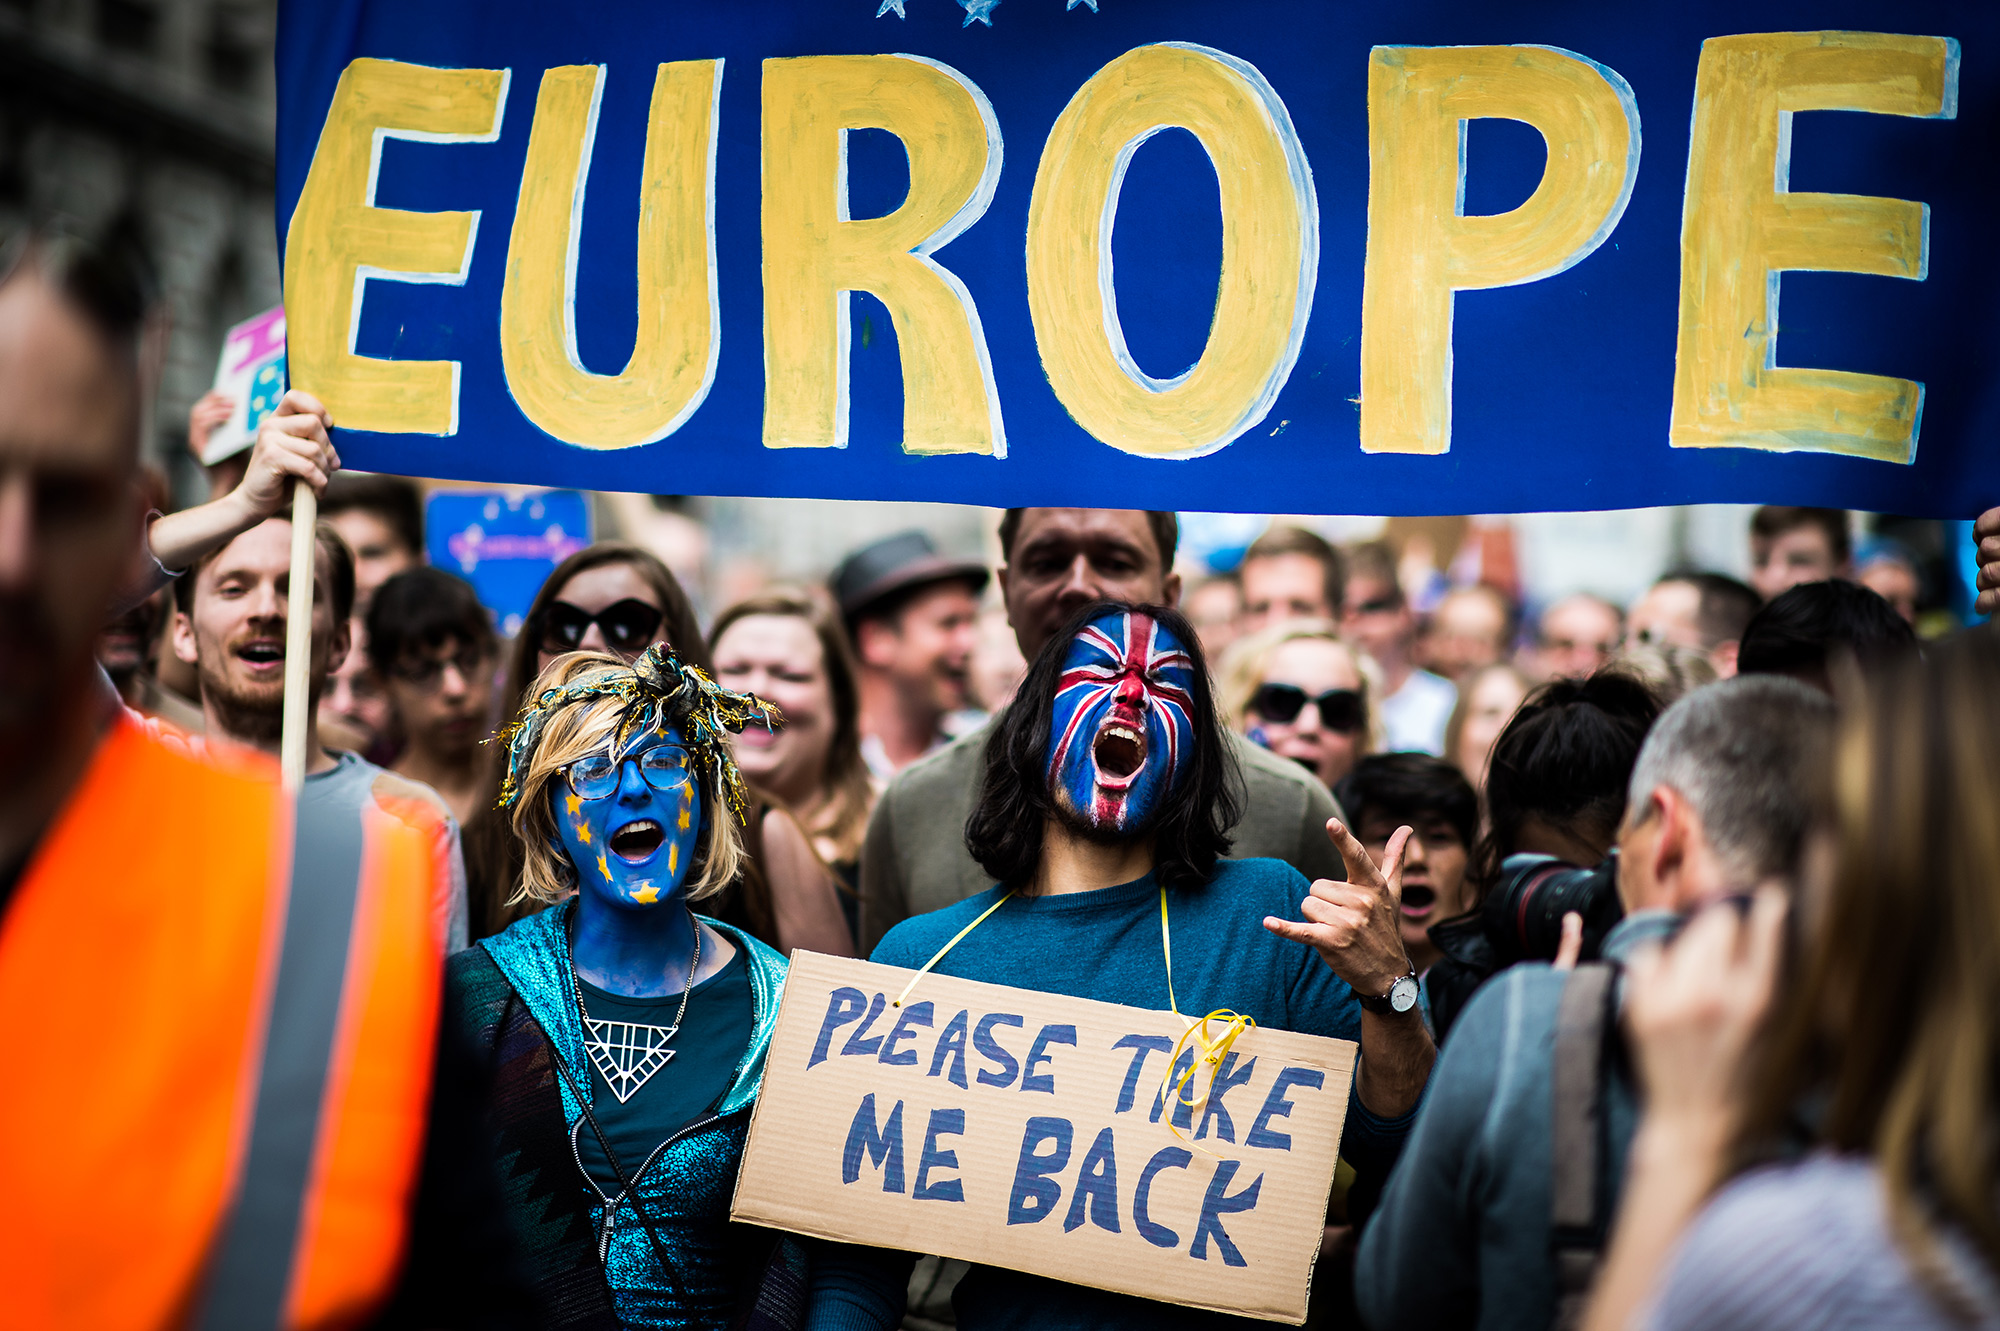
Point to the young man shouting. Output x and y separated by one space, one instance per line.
1104 801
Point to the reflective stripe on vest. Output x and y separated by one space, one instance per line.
138 962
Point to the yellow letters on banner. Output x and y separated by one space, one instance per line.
1270 250
1422 249
1741 227
339 238
815 254
674 354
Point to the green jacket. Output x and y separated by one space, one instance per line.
589 1268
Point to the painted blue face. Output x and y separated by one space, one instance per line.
1123 722
631 827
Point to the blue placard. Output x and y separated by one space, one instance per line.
504 543
1379 258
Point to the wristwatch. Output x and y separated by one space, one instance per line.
1401 998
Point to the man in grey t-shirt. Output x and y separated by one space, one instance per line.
1054 561
230 625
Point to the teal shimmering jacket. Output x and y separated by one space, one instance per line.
595 1265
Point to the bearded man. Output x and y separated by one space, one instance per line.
1105 805
230 625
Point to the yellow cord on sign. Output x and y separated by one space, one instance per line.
955 940
1214 1048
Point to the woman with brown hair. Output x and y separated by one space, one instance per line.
1882 1045
789 648
621 599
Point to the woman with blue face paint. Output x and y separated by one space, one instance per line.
625 1033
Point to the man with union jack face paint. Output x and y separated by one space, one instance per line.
1104 814
1122 723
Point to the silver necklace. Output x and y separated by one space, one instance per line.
628 1053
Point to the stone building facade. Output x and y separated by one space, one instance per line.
156 116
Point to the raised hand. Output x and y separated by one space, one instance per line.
1986 531
292 444
1692 1009
210 412
1354 925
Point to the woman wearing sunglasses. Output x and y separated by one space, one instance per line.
625 1033
1301 691
621 599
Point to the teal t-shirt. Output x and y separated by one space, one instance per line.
713 1038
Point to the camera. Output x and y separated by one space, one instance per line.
1523 911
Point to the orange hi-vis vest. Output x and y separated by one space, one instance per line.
218 1083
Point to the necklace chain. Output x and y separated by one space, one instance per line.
626 1077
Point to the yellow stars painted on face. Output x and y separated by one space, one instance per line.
582 831
673 856
647 895
575 803
687 820
604 866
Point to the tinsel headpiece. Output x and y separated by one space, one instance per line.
659 690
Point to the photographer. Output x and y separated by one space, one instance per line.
1497 1211
1555 795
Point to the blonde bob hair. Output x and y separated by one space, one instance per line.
576 729
1247 660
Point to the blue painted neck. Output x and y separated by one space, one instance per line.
640 952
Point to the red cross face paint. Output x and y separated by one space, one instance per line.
1123 722
630 825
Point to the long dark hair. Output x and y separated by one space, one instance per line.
1191 829
1566 758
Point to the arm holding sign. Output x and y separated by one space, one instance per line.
292 445
1353 927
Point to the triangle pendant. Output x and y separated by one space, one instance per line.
627 1053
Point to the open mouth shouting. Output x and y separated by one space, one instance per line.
1418 901
637 841
262 654
1120 751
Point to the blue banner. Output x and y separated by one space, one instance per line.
1358 258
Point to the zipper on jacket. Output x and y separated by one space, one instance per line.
611 1204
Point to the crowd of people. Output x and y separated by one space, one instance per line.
1668 932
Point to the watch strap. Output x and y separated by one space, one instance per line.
1381 1005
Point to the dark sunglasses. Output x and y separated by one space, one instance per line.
628 625
1339 709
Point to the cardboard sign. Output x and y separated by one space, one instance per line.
252 371
1389 256
505 543
1028 1130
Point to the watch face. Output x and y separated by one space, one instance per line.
1403 994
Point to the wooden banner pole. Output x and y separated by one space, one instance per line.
298 639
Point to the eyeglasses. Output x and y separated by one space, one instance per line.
595 775
628 625
1339 709
427 674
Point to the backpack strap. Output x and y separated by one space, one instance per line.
1577 1119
